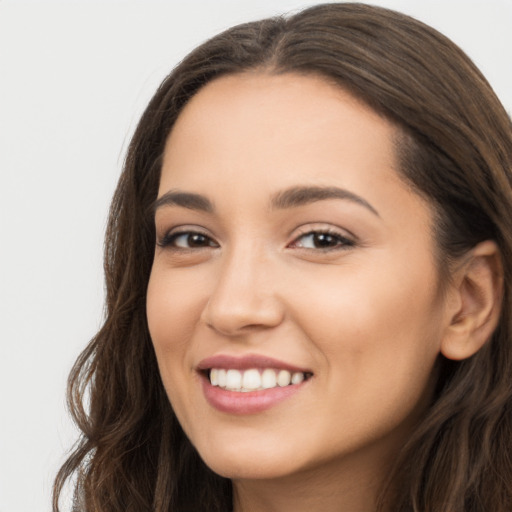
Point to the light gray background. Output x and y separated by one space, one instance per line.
74 78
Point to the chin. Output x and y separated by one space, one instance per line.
250 460
236 469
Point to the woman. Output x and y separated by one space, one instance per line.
308 281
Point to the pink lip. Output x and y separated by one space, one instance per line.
233 402
246 362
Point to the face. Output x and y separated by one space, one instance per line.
295 270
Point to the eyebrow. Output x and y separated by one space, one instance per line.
185 200
299 196
289 198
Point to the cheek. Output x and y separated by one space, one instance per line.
379 333
173 307
370 304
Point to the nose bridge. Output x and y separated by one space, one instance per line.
243 294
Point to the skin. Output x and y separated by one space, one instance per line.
365 316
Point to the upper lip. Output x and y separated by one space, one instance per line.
246 362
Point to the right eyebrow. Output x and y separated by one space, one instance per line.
299 196
185 200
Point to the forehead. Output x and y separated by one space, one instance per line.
279 125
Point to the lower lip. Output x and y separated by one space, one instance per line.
251 402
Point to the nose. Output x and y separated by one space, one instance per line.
244 296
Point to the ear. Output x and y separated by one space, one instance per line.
476 290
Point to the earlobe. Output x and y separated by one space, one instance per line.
478 285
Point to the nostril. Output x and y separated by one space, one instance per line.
242 318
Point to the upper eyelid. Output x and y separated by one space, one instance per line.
184 228
322 232
321 227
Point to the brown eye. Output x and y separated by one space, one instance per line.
196 240
322 240
187 240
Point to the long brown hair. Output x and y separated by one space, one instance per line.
455 149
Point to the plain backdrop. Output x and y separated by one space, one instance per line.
74 78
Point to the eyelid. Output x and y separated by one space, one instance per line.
322 227
345 236
165 240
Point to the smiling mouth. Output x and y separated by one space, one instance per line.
254 379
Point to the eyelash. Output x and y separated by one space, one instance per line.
341 242
168 241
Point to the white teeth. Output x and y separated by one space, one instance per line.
251 379
233 379
221 377
254 379
297 377
268 379
284 378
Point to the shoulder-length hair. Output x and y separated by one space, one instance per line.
455 149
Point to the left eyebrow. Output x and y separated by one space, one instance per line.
299 196
184 199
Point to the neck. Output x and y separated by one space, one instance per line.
335 487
